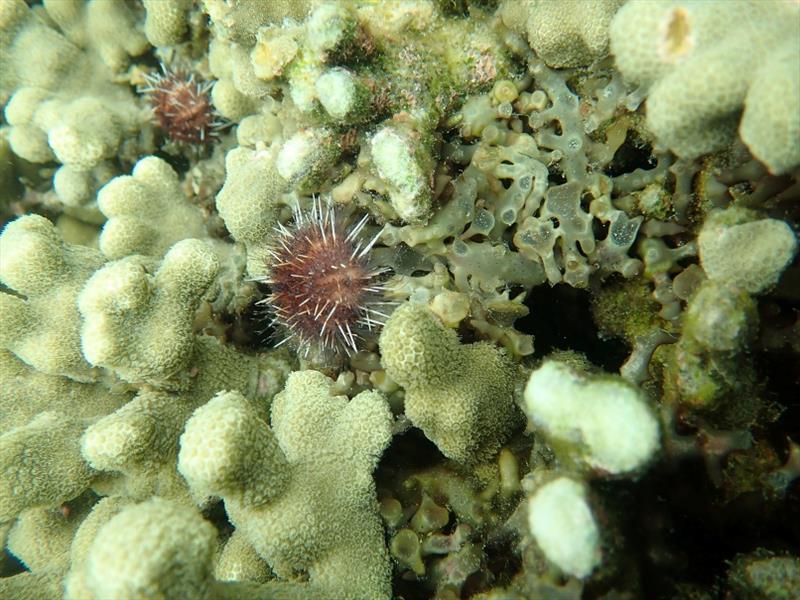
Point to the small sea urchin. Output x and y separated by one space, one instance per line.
326 296
182 107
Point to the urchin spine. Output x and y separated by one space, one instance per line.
325 298
182 106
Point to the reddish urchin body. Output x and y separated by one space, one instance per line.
326 296
182 107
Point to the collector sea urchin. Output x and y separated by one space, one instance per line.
182 107
326 297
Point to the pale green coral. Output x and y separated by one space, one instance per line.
174 546
30 586
140 441
140 371
569 33
41 537
109 29
41 464
460 395
137 445
80 132
238 20
771 119
138 320
63 105
229 101
22 31
301 492
236 25
147 212
703 62
85 132
166 21
739 249
26 392
248 203
103 511
179 549
239 561
235 455
41 325
77 190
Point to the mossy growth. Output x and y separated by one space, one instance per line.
625 308
715 390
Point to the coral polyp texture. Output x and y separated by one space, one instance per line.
448 299
325 295
698 93
465 409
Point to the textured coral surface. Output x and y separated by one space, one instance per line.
358 299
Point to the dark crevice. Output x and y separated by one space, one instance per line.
409 451
179 163
250 329
561 319
556 178
677 516
218 517
10 565
631 155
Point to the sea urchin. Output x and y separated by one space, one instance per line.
182 107
326 296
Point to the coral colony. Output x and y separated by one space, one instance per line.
530 268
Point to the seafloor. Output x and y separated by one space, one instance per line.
364 299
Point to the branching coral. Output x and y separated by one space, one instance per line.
40 323
698 84
41 464
140 325
146 211
166 22
570 34
507 174
247 202
62 105
300 491
461 396
174 544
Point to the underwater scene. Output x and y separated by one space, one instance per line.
399 299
